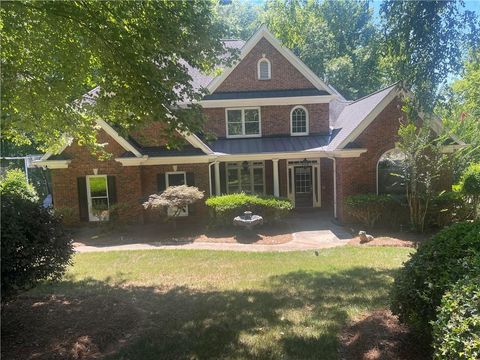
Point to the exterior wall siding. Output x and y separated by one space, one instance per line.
284 75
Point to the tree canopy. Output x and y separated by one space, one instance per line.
133 52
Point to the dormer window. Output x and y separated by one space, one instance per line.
264 69
299 121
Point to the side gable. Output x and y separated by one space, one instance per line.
291 72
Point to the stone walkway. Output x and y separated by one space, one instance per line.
310 231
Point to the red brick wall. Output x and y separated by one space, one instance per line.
284 75
128 180
326 177
275 119
359 175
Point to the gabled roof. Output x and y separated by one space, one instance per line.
263 32
357 115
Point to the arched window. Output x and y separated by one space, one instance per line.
388 168
299 121
264 69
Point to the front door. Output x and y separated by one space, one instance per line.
303 186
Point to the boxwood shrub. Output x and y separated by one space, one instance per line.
450 255
225 207
456 331
368 208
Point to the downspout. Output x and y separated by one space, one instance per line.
210 177
334 186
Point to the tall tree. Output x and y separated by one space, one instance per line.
425 43
134 52
239 19
338 40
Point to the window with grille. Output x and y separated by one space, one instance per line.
247 177
264 70
243 122
299 121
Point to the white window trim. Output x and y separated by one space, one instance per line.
251 166
307 121
243 122
171 211
91 217
269 69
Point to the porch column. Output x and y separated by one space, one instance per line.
276 187
217 178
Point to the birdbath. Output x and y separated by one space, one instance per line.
247 220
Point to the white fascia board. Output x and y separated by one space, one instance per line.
164 160
347 153
290 100
290 56
124 143
52 164
369 118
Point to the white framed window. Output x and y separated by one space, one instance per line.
97 196
243 122
246 176
176 178
264 69
299 121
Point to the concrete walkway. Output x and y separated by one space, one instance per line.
310 231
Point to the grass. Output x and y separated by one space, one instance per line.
230 305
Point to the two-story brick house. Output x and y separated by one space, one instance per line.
280 130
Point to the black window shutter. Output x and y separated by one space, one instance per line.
82 198
161 185
190 179
112 190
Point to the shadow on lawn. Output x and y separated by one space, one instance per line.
298 315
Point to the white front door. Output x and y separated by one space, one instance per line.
97 194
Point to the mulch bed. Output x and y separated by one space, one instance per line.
183 232
380 336
86 327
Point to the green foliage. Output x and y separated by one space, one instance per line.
447 208
470 186
426 42
456 331
14 183
135 53
368 208
439 262
174 197
34 245
239 19
225 207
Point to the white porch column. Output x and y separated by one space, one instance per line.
276 187
217 178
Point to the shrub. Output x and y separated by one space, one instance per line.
368 208
225 207
176 197
14 183
470 185
33 243
456 331
438 263
448 207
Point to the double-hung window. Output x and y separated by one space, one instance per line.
243 122
247 177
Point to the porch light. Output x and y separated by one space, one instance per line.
245 166
305 163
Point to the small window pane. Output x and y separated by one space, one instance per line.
252 128
235 129
98 186
389 167
234 116
258 176
251 115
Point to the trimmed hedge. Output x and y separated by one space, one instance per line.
441 261
456 332
368 208
225 207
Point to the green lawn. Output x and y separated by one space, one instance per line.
230 305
